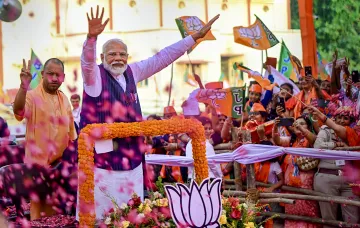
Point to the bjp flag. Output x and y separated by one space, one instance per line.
287 66
263 82
230 101
256 36
189 25
35 70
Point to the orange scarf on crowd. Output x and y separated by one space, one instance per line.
298 107
175 170
294 181
262 171
353 140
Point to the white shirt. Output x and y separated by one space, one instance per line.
76 115
214 169
275 170
141 70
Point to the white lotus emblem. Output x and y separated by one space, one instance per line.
193 24
253 33
197 206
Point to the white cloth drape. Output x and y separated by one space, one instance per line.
252 153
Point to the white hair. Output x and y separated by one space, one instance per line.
115 40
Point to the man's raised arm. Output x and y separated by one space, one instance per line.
90 70
20 99
146 68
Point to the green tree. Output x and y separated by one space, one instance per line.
338 27
294 7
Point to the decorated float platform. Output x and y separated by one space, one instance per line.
236 205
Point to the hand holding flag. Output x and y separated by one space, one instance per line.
204 30
263 82
192 25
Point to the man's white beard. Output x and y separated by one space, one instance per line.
114 70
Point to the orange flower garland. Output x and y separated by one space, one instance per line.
92 132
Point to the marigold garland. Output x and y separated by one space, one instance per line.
91 132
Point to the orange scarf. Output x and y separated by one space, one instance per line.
294 180
175 170
301 96
298 107
262 171
353 140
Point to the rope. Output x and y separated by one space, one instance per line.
252 195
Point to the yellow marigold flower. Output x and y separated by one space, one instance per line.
141 207
222 220
250 225
125 224
122 130
147 209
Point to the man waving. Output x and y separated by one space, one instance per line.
109 87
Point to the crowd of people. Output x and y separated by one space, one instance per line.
324 115
319 116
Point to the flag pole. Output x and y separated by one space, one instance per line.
192 67
197 78
262 61
172 75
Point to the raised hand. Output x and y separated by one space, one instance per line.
25 75
335 56
200 34
345 66
96 26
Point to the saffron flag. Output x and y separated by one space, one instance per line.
286 64
263 82
256 36
230 101
35 70
189 25
189 79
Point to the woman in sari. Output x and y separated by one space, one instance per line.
304 138
310 91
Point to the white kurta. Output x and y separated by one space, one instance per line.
118 184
